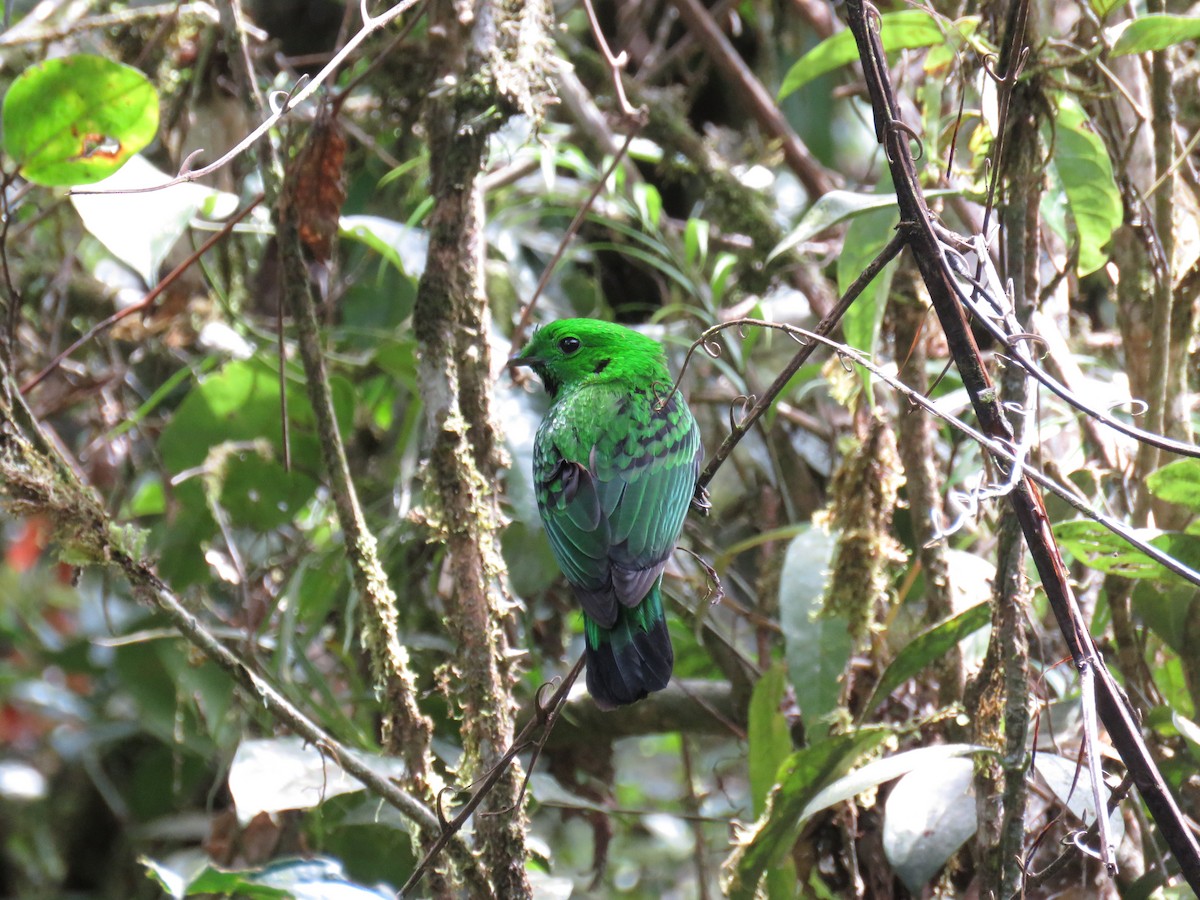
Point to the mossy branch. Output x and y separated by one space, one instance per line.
35 479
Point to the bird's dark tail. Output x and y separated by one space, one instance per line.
631 659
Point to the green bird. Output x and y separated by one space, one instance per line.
614 469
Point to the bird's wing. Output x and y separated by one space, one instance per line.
645 481
613 496
573 515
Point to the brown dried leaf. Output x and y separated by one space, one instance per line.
314 186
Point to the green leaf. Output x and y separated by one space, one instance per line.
239 405
77 119
802 777
1177 482
867 235
1098 548
817 647
1155 32
1167 612
770 737
695 242
836 207
924 649
1087 177
907 29
1103 8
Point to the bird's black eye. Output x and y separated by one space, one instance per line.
568 345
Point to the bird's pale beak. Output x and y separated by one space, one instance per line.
517 362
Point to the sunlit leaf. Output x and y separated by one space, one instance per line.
1104 8
1153 32
1177 482
275 774
1097 547
1087 177
77 119
140 229
907 29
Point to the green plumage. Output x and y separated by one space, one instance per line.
614 466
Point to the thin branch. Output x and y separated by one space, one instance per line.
572 230
635 119
19 35
1091 747
815 178
825 326
544 719
1026 500
1002 449
615 65
145 303
282 102
1014 340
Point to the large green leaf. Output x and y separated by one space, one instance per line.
1154 32
924 649
77 119
907 29
1087 177
1097 547
805 774
817 647
1177 482
770 737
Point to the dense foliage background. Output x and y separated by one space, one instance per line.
378 564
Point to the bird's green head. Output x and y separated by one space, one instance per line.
572 352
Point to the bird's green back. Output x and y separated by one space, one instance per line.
615 460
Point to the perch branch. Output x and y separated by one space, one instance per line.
1115 712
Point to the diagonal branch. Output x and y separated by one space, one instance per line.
1026 500
815 178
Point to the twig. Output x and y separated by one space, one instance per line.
824 327
1026 501
615 65
635 119
572 229
1034 880
1014 340
816 180
18 36
282 102
1091 746
146 301
1002 449
545 718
